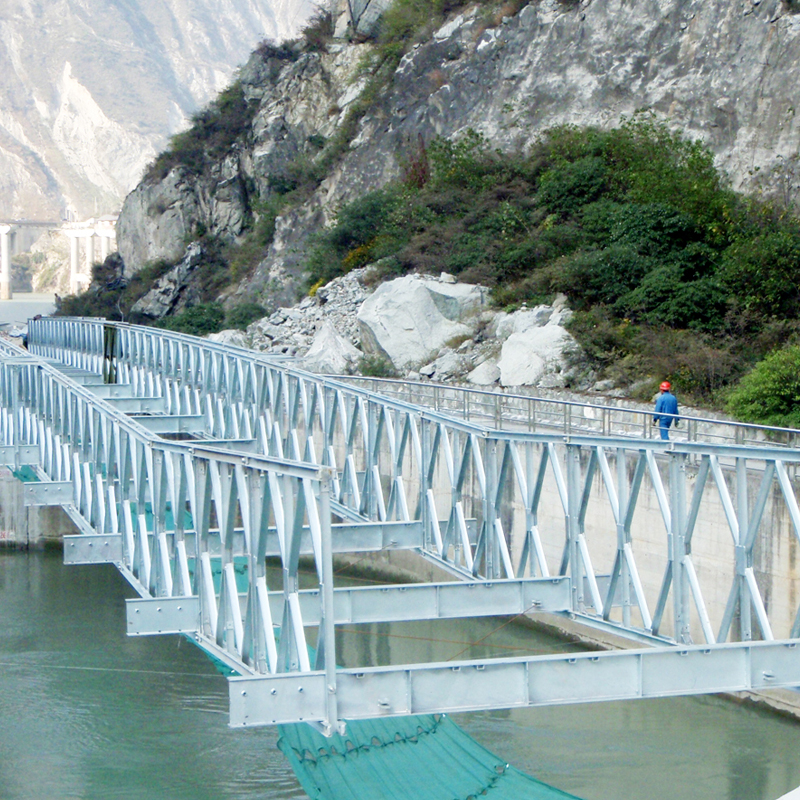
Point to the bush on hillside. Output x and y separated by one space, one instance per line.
318 31
214 131
110 296
634 222
198 320
240 316
770 393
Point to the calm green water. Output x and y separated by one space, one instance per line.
87 713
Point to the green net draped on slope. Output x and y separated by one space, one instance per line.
404 758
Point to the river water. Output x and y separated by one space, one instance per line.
87 713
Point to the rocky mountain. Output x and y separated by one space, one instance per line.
723 71
90 90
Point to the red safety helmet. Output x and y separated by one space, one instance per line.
666 386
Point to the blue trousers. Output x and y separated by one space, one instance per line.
663 428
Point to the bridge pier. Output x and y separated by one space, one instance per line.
25 526
106 233
102 229
5 263
80 280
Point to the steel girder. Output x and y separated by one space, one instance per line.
489 505
526 682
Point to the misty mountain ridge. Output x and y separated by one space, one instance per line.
92 90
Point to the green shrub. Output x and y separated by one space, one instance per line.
241 315
318 31
279 51
376 367
600 276
352 241
199 320
665 297
110 296
762 271
566 188
213 133
770 393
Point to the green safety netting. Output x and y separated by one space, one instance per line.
25 474
404 758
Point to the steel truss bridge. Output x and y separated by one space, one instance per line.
189 464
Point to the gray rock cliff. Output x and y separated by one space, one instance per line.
724 71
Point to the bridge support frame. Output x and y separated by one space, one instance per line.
193 520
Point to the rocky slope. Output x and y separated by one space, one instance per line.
724 71
91 89
421 328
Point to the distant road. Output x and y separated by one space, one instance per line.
18 311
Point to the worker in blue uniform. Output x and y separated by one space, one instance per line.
666 411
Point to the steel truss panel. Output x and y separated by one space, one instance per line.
93 549
163 615
373 604
111 391
47 493
516 683
346 538
450 600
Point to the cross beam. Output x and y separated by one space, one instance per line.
526 682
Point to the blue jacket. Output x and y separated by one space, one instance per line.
666 408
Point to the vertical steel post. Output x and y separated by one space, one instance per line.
622 535
677 540
743 558
490 510
573 525
329 627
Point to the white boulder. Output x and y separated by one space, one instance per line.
330 353
232 336
522 320
528 357
484 374
410 319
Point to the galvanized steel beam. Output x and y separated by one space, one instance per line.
367 604
522 682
